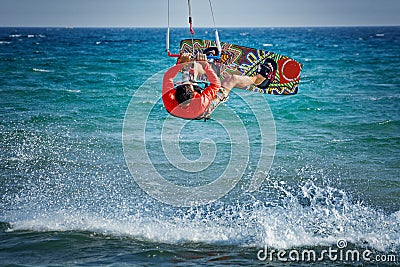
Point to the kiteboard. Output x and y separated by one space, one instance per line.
241 60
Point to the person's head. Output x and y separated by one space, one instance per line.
186 91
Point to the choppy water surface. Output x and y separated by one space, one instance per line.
68 198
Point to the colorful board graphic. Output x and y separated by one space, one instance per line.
235 59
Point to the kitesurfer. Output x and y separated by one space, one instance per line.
184 100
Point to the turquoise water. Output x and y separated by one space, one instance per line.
68 198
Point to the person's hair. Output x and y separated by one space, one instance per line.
183 93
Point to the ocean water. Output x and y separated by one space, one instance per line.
68 198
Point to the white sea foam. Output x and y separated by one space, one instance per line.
73 91
385 122
340 140
27 36
40 70
314 216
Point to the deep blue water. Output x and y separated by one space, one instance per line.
68 198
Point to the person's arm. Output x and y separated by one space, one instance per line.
168 81
215 84
202 66
212 77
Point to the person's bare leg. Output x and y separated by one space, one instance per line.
237 81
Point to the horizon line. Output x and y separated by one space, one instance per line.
199 27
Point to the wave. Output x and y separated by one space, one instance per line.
73 91
311 216
26 36
40 70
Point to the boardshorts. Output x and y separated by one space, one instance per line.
222 96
